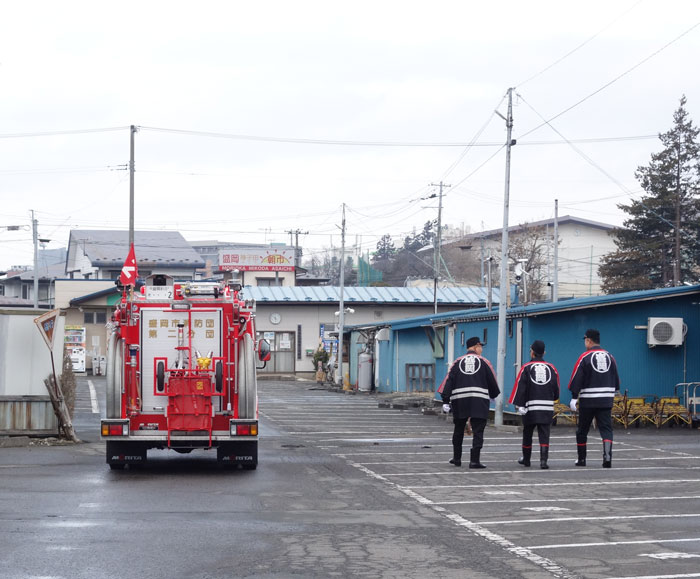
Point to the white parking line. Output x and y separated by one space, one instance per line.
567 500
93 398
677 576
615 544
556 484
551 566
578 519
551 461
544 473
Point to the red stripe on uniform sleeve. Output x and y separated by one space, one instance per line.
576 366
517 381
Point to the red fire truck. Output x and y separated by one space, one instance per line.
181 372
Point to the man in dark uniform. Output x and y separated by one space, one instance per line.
467 388
535 390
594 382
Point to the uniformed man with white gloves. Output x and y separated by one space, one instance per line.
594 383
466 390
535 390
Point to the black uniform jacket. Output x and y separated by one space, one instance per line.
469 384
536 388
594 380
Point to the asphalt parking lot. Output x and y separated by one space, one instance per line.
639 519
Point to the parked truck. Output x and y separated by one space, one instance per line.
181 372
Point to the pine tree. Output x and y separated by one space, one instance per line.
659 245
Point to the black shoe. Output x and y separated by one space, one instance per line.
474 458
607 454
525 458
580 462
455 462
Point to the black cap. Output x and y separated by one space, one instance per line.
593 336
538 347
471 342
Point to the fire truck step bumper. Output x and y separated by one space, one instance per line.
244 453
121 453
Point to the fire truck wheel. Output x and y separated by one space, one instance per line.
219 376
114 377
247 385
160 376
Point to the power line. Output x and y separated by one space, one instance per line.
614 80
60 133
577 48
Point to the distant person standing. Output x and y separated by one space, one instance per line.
467 388
535 390
594 383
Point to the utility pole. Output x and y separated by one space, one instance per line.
438 246
482 260
341 311
501 363
132 132
489 299
297 256
555 287
35 238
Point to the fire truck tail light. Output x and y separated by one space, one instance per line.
115 429
244 429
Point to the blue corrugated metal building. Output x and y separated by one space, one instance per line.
622 320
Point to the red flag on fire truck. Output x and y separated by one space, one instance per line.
130 271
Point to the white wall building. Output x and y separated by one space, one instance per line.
582 246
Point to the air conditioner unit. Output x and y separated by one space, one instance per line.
665 331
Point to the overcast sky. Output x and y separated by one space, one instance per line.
257 118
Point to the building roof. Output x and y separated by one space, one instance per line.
152 248
381 295
10 301
564 220
537 309
331 294
48 272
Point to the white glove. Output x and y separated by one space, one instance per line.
446 408
522 410
572 405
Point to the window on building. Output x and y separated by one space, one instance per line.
268 281
94 318
2 290
25 291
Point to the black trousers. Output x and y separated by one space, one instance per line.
478 426
542 433
603 418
